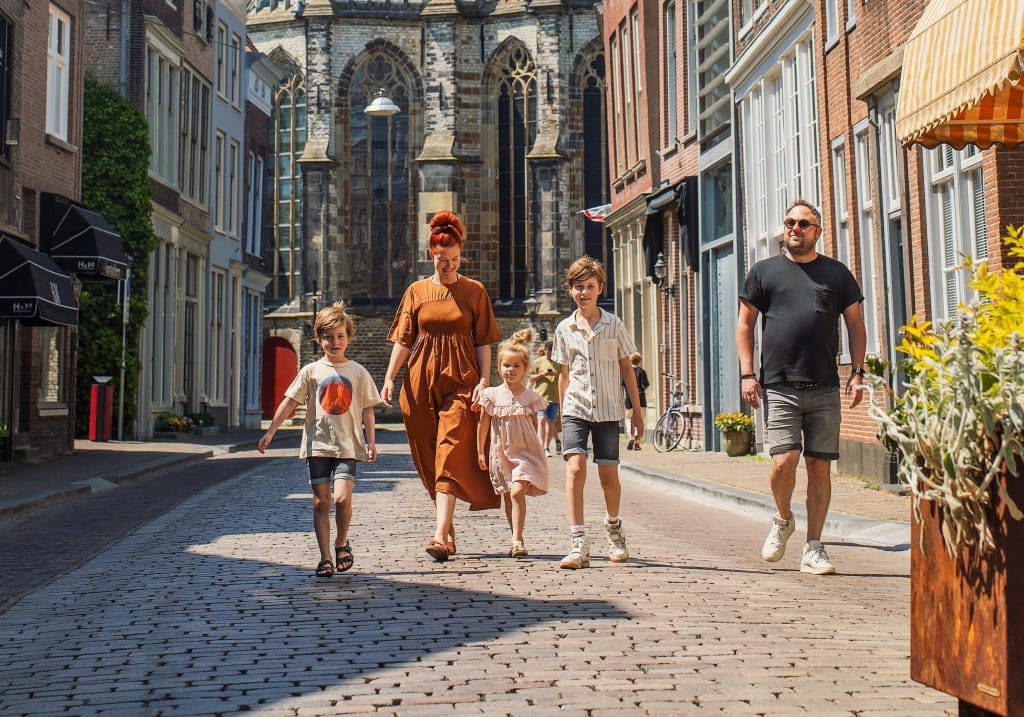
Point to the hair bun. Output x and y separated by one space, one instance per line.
522 336
447 223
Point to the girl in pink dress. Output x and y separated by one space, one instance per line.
508 415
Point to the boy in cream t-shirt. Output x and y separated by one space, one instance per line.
339 396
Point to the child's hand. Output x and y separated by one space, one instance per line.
371 453
265 442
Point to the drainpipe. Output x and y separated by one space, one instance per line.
122 68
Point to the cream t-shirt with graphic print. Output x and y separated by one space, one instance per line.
335 395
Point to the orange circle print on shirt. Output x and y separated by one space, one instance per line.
335 395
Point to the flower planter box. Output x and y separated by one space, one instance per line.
967 620
736 443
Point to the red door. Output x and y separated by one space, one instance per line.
280 364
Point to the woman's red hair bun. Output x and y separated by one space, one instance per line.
446 230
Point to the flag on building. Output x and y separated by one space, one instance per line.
597 214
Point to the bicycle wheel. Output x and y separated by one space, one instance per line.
668 432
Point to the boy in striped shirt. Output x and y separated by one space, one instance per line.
593 348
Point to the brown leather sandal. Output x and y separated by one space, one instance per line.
450 544
438 551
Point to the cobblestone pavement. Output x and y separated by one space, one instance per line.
212 608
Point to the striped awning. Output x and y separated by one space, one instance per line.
962 72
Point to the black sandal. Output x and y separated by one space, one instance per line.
325 569
343 557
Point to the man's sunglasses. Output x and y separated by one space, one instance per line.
802 223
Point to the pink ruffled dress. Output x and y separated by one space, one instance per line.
516 451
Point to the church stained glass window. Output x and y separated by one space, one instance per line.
380 241
517 129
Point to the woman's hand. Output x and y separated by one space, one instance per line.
387 390
481 459
477 390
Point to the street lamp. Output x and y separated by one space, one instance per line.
661 278
382 106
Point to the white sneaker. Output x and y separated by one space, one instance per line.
815 560
775 544
579 555
617 552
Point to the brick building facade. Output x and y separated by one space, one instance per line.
41 75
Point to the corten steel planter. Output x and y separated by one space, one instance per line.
967 615
736 443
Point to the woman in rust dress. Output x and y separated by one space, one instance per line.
445 326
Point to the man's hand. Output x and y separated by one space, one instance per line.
855 388
751 391
371 453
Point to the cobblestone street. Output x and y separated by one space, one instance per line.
213 608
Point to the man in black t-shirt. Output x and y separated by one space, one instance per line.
800 296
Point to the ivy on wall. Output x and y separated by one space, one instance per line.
115 183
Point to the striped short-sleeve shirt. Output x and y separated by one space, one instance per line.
594 392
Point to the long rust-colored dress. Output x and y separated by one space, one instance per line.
443 325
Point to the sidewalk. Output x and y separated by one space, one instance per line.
96 467
740 485
858 511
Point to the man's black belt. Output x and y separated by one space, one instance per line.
802 385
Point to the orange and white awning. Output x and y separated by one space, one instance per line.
962 75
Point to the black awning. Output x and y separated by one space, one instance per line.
33 288
81 241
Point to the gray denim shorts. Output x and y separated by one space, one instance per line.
576 431
803 418
326 470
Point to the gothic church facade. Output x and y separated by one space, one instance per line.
502 118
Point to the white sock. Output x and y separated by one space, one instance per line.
609 520
577 530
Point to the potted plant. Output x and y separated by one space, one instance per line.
735 427
958 429
171 425
203 423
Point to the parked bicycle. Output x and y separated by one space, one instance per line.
668 431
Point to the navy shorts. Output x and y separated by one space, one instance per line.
576 431
326 470
550 413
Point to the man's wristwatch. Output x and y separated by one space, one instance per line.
748 375
859 372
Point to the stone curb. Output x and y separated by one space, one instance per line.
883 533
107 481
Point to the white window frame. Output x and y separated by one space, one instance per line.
831 23
780 160
162 113
671 73
841 225
865 210
233 193
222 59
195 130
219 200
956 216
236 70
58 73
618 145
218 348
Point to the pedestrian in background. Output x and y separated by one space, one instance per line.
445 327
800 296
593 348
338 433
641 386
545 382
508 416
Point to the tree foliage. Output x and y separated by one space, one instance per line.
115 183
